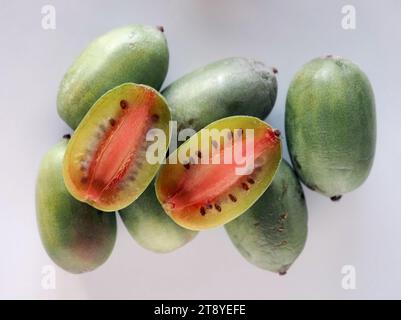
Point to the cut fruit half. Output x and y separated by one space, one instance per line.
219 172
106 162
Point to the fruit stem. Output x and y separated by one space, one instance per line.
336 198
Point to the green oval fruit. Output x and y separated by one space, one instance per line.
135 53
234 86
77 237
272 233
330 125
219 172
148 224
107 161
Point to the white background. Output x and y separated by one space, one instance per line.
362 230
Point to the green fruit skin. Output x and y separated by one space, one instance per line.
77 237
151 227
272 233
135 53
233 86
330 124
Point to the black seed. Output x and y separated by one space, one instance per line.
67 136
160 28
202 211
274 70
336 198
245 186
123 104
277 132
232 198
199 154
155 117
218 208
282 273
251 181
209 206
186 166
112 122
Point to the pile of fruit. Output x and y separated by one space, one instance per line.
110 98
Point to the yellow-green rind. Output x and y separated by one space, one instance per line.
77 237
272 233
330 125
169 174
151 227
134 53
107 107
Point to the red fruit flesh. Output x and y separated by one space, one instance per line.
119 147
202 184
106 162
